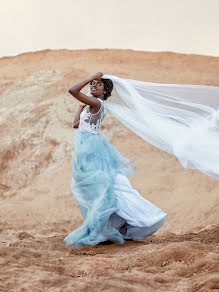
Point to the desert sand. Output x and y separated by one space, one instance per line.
38 209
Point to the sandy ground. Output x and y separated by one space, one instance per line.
38 209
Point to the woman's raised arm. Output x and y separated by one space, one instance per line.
75 90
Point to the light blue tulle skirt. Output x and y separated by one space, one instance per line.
112 209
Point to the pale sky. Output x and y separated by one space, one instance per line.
184 26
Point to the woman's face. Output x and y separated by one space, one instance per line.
97 88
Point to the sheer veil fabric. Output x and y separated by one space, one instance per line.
180 119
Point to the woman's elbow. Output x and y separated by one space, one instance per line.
71 91
76 125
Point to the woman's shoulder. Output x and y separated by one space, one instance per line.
102 104
102 107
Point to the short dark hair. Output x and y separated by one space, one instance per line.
108 87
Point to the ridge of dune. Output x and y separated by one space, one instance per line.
38 209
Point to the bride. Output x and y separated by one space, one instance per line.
112 209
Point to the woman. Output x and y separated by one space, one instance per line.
113 211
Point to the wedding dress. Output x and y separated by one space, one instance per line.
112 209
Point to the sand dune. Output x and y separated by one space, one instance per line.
38 209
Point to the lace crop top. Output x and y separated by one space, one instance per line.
92 122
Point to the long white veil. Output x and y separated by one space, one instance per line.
180 119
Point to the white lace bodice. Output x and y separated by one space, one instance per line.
92 122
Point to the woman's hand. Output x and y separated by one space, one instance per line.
97 76
76 122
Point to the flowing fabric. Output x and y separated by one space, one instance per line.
180 119
95 166
136 216
112 209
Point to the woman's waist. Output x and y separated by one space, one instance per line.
87 132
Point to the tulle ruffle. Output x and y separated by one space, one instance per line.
95 165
